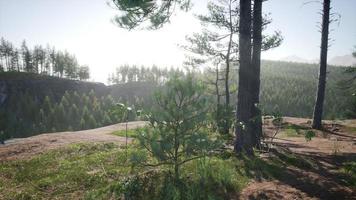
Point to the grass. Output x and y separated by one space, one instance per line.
289 132
349 170
98 171
351 129
292 130
132 133
299 161
102 171
67 173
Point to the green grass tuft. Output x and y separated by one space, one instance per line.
349 170
132 133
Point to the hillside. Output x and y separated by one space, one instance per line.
290 89
14 83
287 89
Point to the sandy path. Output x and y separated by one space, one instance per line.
21 148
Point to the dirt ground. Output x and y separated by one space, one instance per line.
23 148
328 150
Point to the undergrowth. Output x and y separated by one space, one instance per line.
102 171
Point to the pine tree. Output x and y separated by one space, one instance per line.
75 117
84 72
85 117
61 119
219 47
26 57
42 121
244 113
256 65
156 13
91 122
176 135
318 109
64 100
82 124
47 105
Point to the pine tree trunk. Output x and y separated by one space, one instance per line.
318 109
243 115
227 76
256 67
227 95
218 112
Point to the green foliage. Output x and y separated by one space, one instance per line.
351 110
72 112
83 73
286 87
96 171
349 169
153 14
66 173
176 135
133 133
290 89
309 135
212 178
299 161
215 179
129 74
92 122
3 137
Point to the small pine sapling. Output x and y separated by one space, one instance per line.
177 132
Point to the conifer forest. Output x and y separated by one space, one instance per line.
178 99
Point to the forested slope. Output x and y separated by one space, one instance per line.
286 88
31 103
290 88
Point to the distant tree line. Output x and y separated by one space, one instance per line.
286 88
133 73
42 60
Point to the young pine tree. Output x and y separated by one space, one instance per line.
176 135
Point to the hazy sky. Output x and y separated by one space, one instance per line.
84 28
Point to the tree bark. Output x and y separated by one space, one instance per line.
256 68
218 112
318 109
227 76
243 141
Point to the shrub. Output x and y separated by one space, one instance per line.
309 135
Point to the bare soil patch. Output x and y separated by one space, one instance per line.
24 148
318 176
